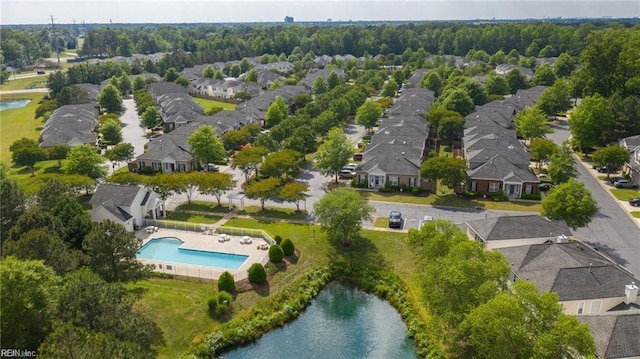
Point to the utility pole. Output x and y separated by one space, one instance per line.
55 40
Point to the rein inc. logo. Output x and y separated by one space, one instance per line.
17 353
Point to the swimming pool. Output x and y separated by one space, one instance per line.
168 250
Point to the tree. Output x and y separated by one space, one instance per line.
564 65
111 132
139 83
58 152
368 114
84 160
171 75
262 189
150 117
450 171
12 204
544 75
206 146
611 156
591 119
235 71
390 88
341 213
208 72
183 81
302 139
248 160
457 100
276 112
449 127
541 150
122 152
28 302
524 324
110 99
516 80
555 99
72 95
571 202
56 82
433 82
333 80
112 252
124 84
125 46
334 153
563 165
76 222
319 86
496 85
531 123
245 65
26 152
294 192
216 184
39 244
285 162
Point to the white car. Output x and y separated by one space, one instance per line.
424 220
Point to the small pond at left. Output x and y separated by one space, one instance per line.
9 104
342 322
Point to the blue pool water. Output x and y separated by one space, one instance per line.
9 104
167 249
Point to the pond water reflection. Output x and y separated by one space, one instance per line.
342 322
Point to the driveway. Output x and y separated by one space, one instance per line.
611 231
131 131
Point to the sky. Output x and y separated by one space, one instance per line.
220 11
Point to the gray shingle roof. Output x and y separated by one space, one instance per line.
616 336
118 195
501 167
118 212
591 282
518 227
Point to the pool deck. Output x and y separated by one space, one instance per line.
206 242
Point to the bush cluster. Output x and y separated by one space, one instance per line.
219 304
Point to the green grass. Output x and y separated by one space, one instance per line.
452 201
179 308
18 123
625 194
381 222
636 214
280 213
193 218
207 104
24 83
203 206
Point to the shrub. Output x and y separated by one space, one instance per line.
278 239
416 191
257 274
213 304
226 282
276 253
219 303
287 247
535 196
469 194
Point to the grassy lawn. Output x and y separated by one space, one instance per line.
635 214
203 206
452 201
207 104
281 213
43 170
18 123
179 307
381 222
625 194
25 83
193 218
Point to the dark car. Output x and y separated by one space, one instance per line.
623 183
613 180
605 169
395 219
545 186
635 202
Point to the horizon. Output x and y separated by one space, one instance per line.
68 12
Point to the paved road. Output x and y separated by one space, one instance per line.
131 131
11 92
612 231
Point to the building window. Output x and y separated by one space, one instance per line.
393 180
528 189
595 306
580 307
169 267
474 186
412 181
494 187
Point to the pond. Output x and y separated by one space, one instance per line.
342 322
9 104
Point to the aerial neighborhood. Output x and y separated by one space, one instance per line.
193 187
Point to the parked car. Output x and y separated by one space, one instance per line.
346 174
424 220
395 219
543 176
545 186
613 180
635 202
605 169
623 183
357 157
350 167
